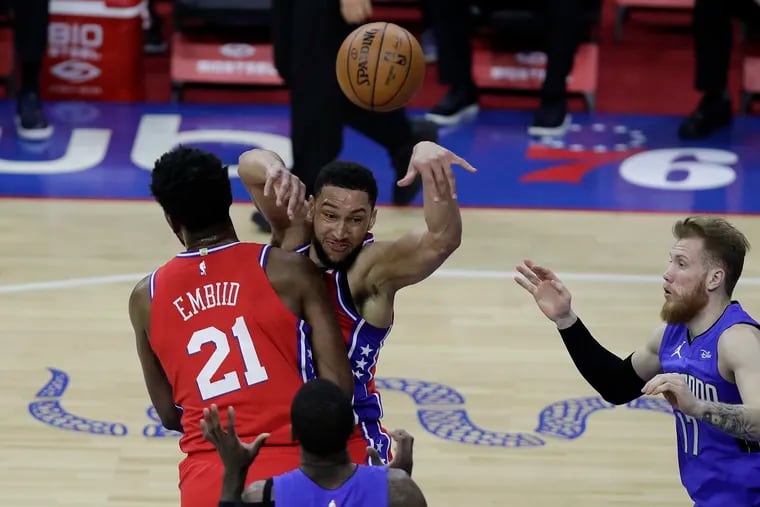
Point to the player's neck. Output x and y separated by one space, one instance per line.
330 471
315 258
209 238
708 316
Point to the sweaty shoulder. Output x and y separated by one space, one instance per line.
403 491
289 274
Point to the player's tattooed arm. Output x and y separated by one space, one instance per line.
736 420
739 363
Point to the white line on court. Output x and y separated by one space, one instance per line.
69 283
443 273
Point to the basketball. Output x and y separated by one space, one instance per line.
380 66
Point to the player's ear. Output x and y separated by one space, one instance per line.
715 278
310 204
175 227
372 219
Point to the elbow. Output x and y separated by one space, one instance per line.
618 393
616 398
453 243
246 159
171 419
243 166
248 169
174 425
447 243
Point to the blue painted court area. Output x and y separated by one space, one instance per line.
606 162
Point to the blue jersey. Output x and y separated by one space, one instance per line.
717 470
363 343
367 487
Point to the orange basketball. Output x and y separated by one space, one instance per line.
380 66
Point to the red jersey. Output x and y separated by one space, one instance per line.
223 336
363 343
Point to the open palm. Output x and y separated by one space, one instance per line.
550 294
235 454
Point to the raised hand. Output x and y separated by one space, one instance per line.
355 12
433 163
287 187
235 454
551 296
402 457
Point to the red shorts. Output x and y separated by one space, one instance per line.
200 475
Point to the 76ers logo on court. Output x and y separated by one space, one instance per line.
588 148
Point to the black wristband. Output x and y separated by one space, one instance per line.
612 377
227 503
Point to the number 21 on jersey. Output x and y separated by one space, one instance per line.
254 372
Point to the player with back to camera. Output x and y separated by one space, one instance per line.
322 421
705 360
363 275
224 322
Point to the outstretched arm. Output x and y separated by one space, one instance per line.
416 255
617 380
278 194
159 388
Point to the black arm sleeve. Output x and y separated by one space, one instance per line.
245 504
266 501
613 378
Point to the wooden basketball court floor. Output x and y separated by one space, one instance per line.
68 266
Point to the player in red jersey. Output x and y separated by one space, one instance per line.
225 322
363 275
